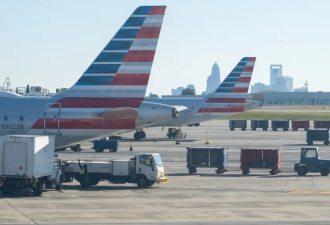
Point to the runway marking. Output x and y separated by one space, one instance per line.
309 192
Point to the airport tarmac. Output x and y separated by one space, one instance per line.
202 198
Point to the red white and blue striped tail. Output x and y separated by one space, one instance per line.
235 87
123 67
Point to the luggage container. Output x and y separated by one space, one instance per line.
259 124
320 134
322 124
276 124
261 159
296 124
237 124
207 157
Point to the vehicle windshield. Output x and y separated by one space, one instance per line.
158 160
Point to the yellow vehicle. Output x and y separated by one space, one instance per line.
176 133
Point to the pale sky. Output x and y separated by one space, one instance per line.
51 43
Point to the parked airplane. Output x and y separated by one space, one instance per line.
228 99
108 99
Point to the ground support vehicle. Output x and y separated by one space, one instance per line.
75 148
296 124
261 159
111 144
320 134
322 124
276 124
176 133
28 164
259 124
194 125
310 161
207 157
237 124
143 170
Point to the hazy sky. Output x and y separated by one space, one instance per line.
51 43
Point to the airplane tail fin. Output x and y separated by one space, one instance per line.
235 87
123 67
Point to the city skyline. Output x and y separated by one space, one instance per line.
54 51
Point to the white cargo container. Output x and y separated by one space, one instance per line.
27 161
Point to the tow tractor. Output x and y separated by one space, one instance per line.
143 170
176 133
310 161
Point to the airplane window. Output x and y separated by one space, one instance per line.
21 118
13 118
5 118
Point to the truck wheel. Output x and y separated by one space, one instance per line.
111 150
326 143
99 149
142 182
59 185
310 142
302 170
39 189
324 172
191 170
273 172
7 192
93 181
245 172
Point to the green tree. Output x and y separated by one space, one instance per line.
154 95
260 96
188 91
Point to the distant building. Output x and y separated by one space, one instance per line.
275 71
297 98
213 81
289 83
301 89
283 84
177 91
259 87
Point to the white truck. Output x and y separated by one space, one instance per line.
143 170
27 164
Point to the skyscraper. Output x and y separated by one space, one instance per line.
275 71
213 81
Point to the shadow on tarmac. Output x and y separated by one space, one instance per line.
103 188
158 139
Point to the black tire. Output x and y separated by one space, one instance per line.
143 134
192 170
98 149
324 172
326 143
305 129
59 185
111 150
302 170
7 192
137 136
75 149
310 142
273 172
266 129
39 189
245 172
94 181
142 182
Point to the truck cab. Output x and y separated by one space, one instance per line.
310 161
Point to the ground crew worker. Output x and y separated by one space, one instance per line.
83 175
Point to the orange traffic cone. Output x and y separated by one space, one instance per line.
155 140
177 141
131 147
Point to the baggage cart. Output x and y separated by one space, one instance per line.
207 157
237 124
259 124
261 159
322 124
296 124
320 134
276 124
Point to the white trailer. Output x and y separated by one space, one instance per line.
143 169
27 163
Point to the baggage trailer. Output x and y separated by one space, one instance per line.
207 157
259 124
296 124
320 134
322 124
28 164
111 144
276 124
261 159
237 124
310 161
143 170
